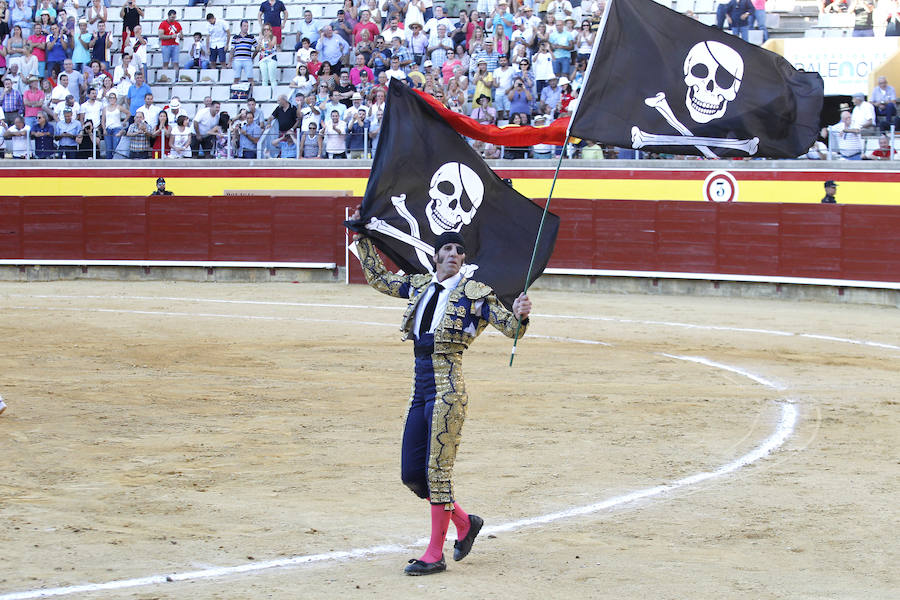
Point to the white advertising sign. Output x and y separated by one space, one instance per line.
843 63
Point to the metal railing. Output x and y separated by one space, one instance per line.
266 146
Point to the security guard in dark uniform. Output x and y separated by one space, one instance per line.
446 312
830 191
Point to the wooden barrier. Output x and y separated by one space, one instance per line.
846 242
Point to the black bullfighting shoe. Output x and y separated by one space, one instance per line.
420 567
461 548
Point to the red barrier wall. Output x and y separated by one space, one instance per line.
853 242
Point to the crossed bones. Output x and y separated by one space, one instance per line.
640 139
423 250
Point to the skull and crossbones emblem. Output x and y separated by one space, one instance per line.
713 73
455 193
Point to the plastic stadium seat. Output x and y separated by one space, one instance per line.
199 93
166 76
234 13
704 6
209 76
226 76
220 93
161 93
262 93
190 74
279 90
231 108
684 5
193 13
288 41
755 36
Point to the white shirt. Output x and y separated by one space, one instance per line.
205 121
19 145
151 115
119 72
91 112
449 285
218 36
504 77
861 114
398 74
61 106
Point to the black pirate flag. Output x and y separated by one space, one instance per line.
426 180
660 81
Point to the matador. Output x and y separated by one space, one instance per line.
444 314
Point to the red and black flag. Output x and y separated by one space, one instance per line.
426 180
662 82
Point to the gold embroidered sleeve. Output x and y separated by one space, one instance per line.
501 318
377 275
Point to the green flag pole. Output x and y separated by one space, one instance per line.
512 354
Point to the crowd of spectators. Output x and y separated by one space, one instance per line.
72 88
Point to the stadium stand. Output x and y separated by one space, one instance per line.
196 88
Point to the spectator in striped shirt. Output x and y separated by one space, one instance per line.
243 49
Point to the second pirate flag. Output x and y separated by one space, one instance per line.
660 81
426 180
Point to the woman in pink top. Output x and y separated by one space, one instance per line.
38 41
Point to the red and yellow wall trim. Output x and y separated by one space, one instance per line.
786 182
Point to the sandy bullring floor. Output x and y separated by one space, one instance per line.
164 429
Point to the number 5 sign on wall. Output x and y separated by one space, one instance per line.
720 186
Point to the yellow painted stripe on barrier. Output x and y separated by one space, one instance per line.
884 193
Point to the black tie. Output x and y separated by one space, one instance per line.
428 315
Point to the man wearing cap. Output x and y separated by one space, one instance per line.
550 96
356 105
66 130
530 18
444 314
863 114
175 110
830 191
161 188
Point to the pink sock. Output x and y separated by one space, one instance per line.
460 521
440 521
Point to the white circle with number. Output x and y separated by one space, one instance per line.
720 186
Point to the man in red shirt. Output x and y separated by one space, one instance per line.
366 23
170 37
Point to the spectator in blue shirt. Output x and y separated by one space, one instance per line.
137 92
249 132
66 132
738 15
356 134
307 29
332 48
